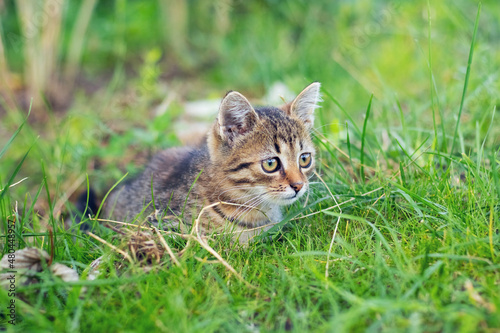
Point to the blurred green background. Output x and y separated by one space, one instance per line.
108 79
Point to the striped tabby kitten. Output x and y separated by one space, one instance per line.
257 158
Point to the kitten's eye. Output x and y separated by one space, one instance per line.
305 160
271 164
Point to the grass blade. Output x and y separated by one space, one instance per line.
363 135
342 109
4 149
108 193
495 171
467 75
11 179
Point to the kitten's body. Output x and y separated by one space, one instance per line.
231 167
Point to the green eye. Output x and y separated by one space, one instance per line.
271 164
305 160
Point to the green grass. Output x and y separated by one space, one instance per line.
416 249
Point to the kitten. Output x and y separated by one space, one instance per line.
259 159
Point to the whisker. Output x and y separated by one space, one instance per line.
250 205
235 188
244 206
235 199
249 209
307 197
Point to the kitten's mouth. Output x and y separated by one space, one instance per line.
285 201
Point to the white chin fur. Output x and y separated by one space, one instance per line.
286 198
285 202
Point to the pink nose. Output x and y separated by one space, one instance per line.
297 186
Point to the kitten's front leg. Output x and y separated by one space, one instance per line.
246 235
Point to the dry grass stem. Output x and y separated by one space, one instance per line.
167 248
336 226
17 183
301 217
123 253
204 244
139 226
194 235
323 210
333 145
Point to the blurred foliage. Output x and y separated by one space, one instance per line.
355 48
139 55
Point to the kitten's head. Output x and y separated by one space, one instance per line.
264 155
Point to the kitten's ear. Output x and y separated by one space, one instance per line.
236 117
305 103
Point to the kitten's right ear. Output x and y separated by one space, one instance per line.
305 103
236 117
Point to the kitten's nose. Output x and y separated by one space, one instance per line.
297 186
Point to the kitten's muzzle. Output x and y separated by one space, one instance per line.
297 186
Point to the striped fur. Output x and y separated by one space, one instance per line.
229 167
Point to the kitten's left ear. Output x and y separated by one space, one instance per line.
305 103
